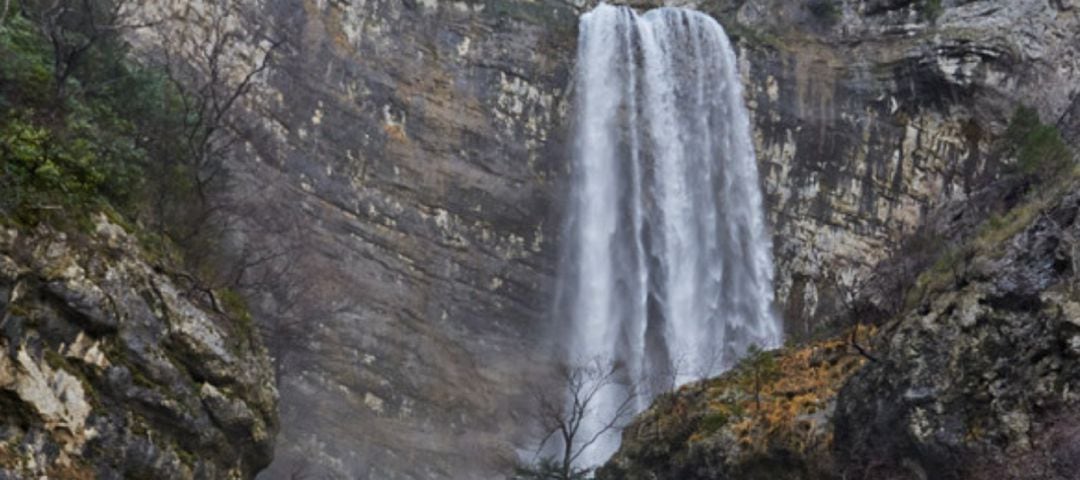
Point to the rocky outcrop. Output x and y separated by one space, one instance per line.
979 381
108 369
768 418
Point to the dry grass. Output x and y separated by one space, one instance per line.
791 412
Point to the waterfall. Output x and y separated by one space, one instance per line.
667 267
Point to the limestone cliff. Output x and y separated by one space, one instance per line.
408 157
979 380
412 154
108 369
871 114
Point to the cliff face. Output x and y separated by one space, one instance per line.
872 114
412 155
411 152
109 371
979 381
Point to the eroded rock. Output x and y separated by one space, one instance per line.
91 384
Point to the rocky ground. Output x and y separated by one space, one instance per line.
111 369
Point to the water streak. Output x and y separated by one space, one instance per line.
667 269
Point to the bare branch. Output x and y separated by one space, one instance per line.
571 414
849 290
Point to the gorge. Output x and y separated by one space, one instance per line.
399 180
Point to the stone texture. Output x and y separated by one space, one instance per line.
413 155
410 152
105 367
979 381
868 124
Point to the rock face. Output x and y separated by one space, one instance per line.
872 114
415 148
108 370
980 381
414 153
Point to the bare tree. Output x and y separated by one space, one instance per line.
573 419
213 74
210 64
213 86
849 290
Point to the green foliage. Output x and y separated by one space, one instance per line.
1038 147
932 9
827 11
759 363
758 368
61 155
712 422
114 136
25 73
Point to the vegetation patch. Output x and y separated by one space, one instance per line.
1038 147
773 406
67 151
931 10
777 399
827 12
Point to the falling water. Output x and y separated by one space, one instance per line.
667 270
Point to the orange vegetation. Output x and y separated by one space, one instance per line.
783 401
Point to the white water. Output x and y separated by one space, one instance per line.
667 269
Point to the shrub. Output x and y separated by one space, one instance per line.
64 155
932 9
113 137
712 422
1038 148
827 11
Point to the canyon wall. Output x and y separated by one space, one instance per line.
871 116
415 155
